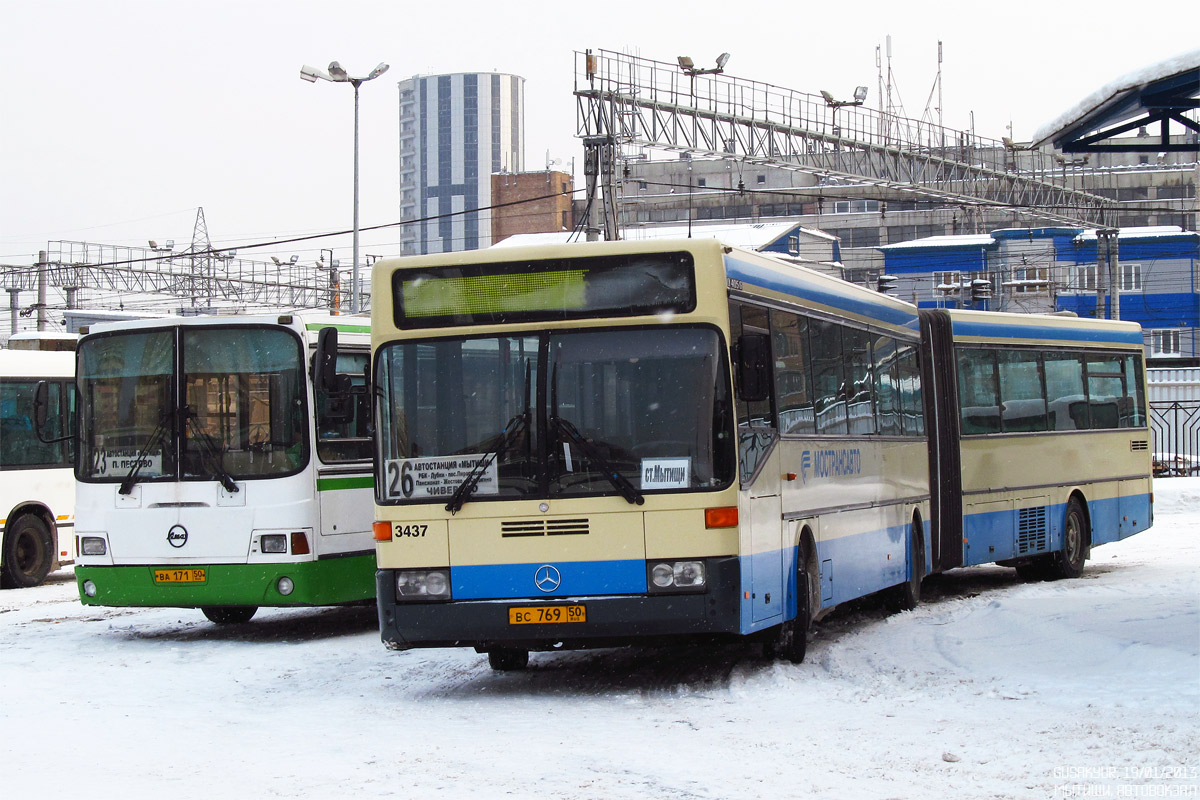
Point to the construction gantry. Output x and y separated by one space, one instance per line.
625 101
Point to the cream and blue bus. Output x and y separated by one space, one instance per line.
37 487
220 467
613 443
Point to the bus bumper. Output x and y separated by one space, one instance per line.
612 620
315 583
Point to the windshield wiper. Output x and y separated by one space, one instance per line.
214 458
503 439
156 437
622 485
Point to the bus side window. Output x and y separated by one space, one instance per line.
911 404
793 377
978 391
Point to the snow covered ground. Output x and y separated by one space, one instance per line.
992 689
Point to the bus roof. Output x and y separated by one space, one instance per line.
759 274
36 364
1043 329
306 320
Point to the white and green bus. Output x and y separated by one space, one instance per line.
212 474
621 442
37 486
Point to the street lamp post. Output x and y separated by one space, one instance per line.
337 74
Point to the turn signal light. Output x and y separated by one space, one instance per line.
299 543
723 517
382 531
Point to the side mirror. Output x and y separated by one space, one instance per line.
325 361
754 367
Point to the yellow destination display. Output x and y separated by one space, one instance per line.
494 294
547 615
185 575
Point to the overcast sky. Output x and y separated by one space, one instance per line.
120 118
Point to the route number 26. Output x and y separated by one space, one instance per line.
400 480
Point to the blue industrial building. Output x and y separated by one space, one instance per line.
1043 270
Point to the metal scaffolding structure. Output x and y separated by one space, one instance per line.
159 277
625 101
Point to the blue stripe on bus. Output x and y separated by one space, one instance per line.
850 567
811 290
993 535
579 578
995 330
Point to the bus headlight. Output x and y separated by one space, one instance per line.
422 585
676 576
285 586
273 543
93 546
89 588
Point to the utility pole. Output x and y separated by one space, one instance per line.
598 154
14 306
1107 265
41 291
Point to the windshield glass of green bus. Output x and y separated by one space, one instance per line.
244 403
650 404
125 405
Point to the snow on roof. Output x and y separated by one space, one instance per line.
752 236
1150 232
963 240
33 336
1106 93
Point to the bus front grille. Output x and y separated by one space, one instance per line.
544 527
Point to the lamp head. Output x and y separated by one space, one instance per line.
828 97
379 70
336 71
722 60
860 94
310 74
686 63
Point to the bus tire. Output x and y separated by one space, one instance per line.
229 615
508 659
907 596
28 552
791 638
1068 562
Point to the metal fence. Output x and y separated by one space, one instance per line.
1174 399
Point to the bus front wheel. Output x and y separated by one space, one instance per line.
790 641
28 553
229 615
508 659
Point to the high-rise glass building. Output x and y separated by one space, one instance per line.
455 131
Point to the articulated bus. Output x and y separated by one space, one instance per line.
612 443
214 474
37 487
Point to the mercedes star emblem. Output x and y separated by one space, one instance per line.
547 578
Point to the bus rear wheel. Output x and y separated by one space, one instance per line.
1068 562
508 659
28 553
229 615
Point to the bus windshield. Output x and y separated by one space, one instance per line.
206 403
555 415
